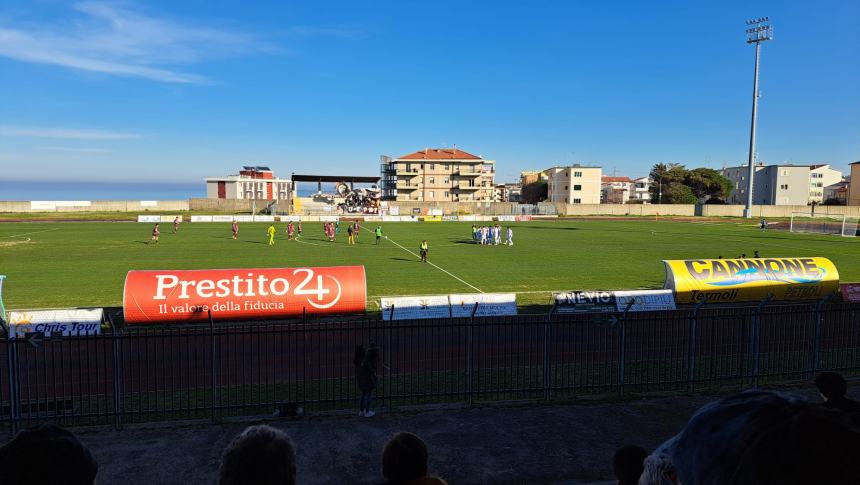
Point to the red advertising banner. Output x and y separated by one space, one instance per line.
160 296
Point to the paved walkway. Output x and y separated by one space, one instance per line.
546 444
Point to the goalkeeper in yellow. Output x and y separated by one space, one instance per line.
271 232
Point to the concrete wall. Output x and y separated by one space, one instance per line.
98 206
234 205
630 209
766 211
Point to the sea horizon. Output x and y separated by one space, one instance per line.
29 190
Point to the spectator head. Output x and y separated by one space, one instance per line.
627 464
404 458
46 455
259 455
767 437
831 385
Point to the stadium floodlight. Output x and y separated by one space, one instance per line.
759 32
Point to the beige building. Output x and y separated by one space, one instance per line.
615 190
573 185
531 176
785 184
439 175
854 186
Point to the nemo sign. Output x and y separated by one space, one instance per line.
159 296
750 279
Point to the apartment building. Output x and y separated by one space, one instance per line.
508 192
641 190
615 190
854 185
576 184
438 175
821 176
252 182
784 184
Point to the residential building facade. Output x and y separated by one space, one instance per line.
438 175
821 176
531 176
508 192
573 185
252 182
783 184
615 190
854 185
837 193
641 190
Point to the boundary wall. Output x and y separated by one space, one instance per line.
447 208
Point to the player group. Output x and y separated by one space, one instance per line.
492 235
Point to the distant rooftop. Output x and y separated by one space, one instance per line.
440 154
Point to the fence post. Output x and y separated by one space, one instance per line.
117 378
756 338
691 346
818 315
546 340
621 347
470 358
12 370
213 369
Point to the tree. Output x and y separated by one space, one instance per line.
534 192
663 176
708 183
679 194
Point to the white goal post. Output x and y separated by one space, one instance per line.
837 224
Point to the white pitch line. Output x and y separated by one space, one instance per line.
461 280
34 232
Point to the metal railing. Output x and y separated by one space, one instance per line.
218 370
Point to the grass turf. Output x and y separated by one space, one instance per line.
63 264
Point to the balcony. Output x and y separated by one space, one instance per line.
466 186
404 171
406 185
468 173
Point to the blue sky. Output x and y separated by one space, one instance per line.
175 91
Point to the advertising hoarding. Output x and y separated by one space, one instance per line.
750 279
71 322
489 304
415 307
181 296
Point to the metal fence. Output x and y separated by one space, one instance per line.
216 371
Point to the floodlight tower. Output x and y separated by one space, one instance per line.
758 31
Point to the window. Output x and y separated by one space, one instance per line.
432 180
432 166
565 187
577 174
430 194
577 201
577 187
783 187
446 181
447 194
447 167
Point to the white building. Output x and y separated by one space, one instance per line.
615 190
573 185
821 176
641 190
784 184
250 183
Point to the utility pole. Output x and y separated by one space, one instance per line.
759 31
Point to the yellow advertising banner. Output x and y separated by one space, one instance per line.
750 279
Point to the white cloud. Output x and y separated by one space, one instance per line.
76 149
114 39
65 133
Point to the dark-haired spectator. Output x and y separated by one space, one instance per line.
259 455
367 380
404 461
46 455
627 463
832 387
761 437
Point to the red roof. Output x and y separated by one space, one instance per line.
606 179
440 154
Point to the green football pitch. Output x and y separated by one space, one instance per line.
67 264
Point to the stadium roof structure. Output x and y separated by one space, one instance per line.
440 154
335 178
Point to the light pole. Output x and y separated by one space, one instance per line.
759 31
